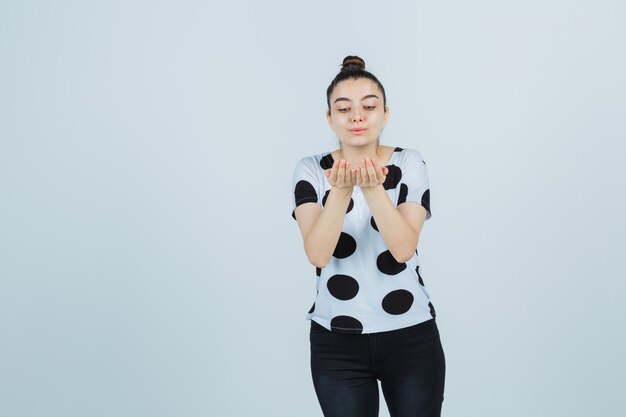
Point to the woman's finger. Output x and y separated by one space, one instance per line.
364 174
332 178
380 175
359 177
341 173
371 172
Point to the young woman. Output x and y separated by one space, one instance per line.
360 209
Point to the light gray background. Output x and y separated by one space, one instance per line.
149 264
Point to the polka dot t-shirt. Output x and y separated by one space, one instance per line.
363 289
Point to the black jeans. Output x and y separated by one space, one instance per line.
409 363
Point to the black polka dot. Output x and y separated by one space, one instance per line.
432 310
346 324
350 205
393 177
346 246
373 223
426 200
342 287
387 264
397 302
326 162
304 193
312 308
398 149
404 191
419 277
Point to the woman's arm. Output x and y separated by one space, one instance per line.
399 227
321 228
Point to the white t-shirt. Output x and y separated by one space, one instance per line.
363 289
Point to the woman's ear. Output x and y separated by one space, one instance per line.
386 114
329 120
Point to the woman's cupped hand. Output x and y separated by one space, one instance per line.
369 175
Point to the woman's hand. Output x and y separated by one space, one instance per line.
341 175
371 174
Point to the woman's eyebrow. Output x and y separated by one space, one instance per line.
347 99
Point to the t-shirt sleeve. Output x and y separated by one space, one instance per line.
305 184
415 185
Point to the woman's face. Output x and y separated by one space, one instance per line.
357 114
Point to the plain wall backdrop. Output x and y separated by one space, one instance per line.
149 264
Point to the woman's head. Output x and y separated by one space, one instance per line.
357 105
353 67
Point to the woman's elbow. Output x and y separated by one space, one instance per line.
404 255
316 259
318 262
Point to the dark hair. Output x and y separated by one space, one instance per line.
353 67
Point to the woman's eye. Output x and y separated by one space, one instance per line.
370 107
343 110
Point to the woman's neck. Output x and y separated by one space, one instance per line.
356 155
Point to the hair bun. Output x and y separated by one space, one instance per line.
352 61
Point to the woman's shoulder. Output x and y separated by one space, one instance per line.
409 155
323 161
313 165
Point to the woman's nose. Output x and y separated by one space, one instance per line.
356 116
